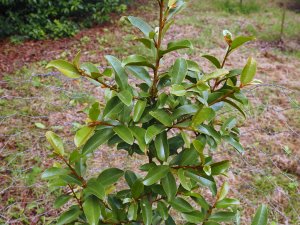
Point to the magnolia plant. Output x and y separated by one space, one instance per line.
168 114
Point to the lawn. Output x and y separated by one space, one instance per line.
34 100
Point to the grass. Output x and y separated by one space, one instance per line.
57 103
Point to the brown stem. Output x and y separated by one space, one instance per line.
223 64
158 45
75 196
187 167
96 123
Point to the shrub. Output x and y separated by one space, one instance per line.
53 19
171 116
238 6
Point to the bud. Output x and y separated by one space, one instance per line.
227 36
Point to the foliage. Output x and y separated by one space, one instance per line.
238 6
172 117
52 19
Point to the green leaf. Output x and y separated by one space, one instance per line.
181 205
138 110
223 191
146 212
140 73
235 106
130 178
76 60
162 210
162 146
199 146
69 216
92 211
139 134
155 174
227 202
194 217
54 172
234 143
99 138
249 71
137 60
56 142
113 107
82 135
95 187
169 186
162 116
184 181
132 211
120 73
124 133
137 189
141 25
239 41
184 110
40 125
223 216
213 60
203 181
65 68
175 45
61 200
94 111
193 66
90 69
110 176
261 216
178 71
152 132
218 73
125 96
219 167
178 90
202 115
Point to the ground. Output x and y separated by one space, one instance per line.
34 100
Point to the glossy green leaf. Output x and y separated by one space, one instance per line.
90 69
152 132
125 96
132 211
140 73
61 200
223 191
146 212
184 181
82 135
162 146
193 66
261 216
178 71
181 205
199 146
220 167
223 216
140 24
139 134
176 45
203 181
54 172
137 189
184 110
203 114
178 90
76 60
162 210
218 73
155 174
124 133
194 217
94 111
113 107
99 138
95 187
235 106
130 177
56 142
69 216
213 60
234 143
120 73
249 71
169 186
227 202
239 41
92 211
137 60
110 176
65 68
138 110
162 116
